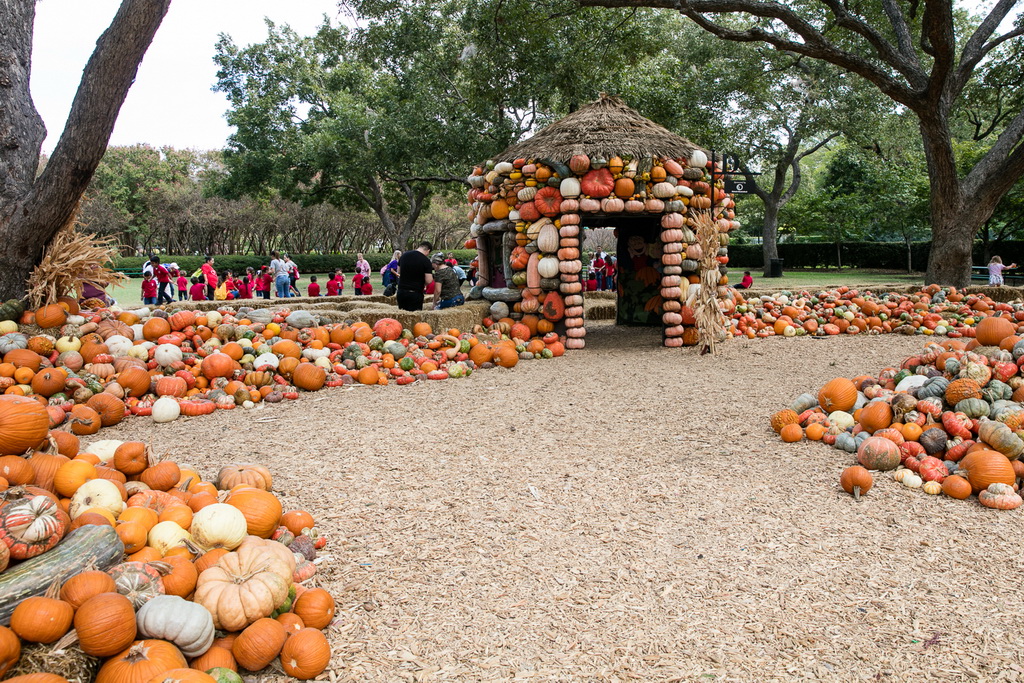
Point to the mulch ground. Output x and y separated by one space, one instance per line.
625 513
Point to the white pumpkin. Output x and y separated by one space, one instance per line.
218 526
548 267
167 354
841 419
139 351
547 239
103 449
698 159
663 190
96 493
186 624
313 354
504 167
166 535
213 318
569 187
137 332
8 326
684 191
118 345
264 360
166 409
66 343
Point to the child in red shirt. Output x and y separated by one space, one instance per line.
367 288
268 281
357 283
313 289
197 292
148 289
182 284
332 286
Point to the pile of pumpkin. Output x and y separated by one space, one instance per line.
162 576
933 310
96 367
949 420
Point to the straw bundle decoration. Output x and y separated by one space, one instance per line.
710 321
63 658
603 128
71 258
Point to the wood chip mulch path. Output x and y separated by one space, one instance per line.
625 514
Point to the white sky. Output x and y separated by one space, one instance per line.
171 102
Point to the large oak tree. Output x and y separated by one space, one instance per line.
33 209
920 53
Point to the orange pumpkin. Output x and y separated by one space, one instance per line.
261 509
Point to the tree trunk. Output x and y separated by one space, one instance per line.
33 210
770 232
910 265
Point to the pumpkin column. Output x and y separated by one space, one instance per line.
569 264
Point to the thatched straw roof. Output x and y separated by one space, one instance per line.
605 127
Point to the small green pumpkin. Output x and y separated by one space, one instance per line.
973 407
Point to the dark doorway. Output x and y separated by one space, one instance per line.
638 251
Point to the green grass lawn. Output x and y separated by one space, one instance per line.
820 278
129 294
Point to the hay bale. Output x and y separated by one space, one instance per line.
69 662
600 311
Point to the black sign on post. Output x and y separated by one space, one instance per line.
734 186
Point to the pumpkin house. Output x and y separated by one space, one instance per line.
603 166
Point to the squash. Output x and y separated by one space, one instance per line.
105 624
553 307
877 453
168 617
839 394
244 586
533 275
547 239
24 424
259 644
87 545
305 654
985 467
1000 497
598 183
31 526
141 662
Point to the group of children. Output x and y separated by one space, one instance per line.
252 284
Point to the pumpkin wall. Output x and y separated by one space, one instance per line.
528 214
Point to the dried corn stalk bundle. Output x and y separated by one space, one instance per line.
72 257
710 321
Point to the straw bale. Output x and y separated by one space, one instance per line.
66 661
605 127
600 310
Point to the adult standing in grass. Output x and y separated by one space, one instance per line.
210 278
389 274
282 282
362 266
414 273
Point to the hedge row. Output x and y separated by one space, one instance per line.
881 255
307 263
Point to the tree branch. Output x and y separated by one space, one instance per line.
811 150
899 25
814 44
975 48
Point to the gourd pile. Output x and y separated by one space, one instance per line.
948 421
89 369
149 573
932 310
533 208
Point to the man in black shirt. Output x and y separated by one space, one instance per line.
414 273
